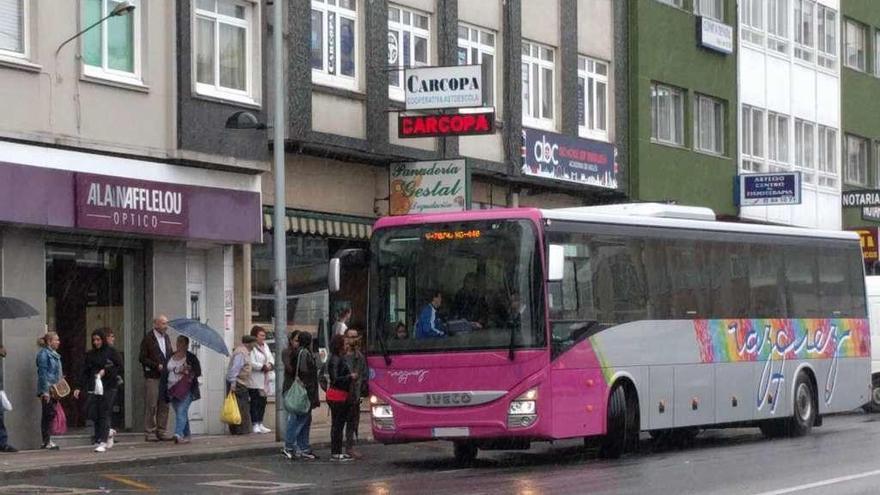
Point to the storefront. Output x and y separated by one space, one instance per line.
100 242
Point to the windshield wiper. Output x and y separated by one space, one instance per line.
512 342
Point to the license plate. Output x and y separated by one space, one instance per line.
452 432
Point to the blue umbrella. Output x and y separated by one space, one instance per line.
201 333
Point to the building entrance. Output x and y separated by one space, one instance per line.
90 287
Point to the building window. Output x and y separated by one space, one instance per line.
13 22
826 36
409 35
752 139
856 172
877 53
713 9
708 124
111 50
804 148
538 84
593 98
334 43
667 114
777 25
225 42
476 46
753 21
674 3
804 29
855 42
777 132
827 156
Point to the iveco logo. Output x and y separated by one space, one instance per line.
448 399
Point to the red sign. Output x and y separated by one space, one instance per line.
459 124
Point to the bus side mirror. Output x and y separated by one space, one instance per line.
333 275
555 263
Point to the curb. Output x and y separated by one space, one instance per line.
154 460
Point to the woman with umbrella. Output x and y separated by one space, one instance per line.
103 365
184 371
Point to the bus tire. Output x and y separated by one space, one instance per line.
804 407
772 428
622 430
874 405
465 452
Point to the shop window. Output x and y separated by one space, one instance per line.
334 43
409 35
538 85
593 98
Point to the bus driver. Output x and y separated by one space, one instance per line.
429 325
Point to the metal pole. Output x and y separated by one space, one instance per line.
279 232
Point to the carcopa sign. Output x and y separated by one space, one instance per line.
555 156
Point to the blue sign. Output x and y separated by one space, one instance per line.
782 188
554 156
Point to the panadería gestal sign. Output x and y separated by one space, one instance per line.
555 156
428 187
440 125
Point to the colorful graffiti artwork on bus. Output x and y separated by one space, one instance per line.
776 341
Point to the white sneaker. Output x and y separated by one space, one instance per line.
263 429
110 438
256 429
102 447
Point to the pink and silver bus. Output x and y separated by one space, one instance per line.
498 328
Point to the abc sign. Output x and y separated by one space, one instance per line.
546 152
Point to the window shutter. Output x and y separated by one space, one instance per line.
12 25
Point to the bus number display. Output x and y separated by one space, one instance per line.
452 235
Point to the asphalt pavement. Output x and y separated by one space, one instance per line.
841 457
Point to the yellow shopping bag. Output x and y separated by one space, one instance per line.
229 414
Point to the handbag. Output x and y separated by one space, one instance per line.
59 390
336 395
59 422
4 402
99 386
296 399
180 389
230 414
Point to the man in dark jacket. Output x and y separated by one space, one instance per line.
154 354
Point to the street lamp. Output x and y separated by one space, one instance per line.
122 8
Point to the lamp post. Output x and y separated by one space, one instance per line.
280 233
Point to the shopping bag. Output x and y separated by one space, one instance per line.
59 422
4 402
99 386
230 414
296 399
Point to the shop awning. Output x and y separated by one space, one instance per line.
322 224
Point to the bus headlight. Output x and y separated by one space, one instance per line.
383 414
523 410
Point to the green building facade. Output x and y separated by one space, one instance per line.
683 103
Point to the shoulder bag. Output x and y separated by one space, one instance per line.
296 399
59 390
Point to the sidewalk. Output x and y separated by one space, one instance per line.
134 450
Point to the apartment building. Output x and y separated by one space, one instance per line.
123 194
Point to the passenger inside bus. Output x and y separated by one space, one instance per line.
469 303
400 332
429 324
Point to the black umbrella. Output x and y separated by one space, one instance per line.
11 308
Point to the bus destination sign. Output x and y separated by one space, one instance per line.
453 235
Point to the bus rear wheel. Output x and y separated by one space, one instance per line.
874 405
465 452
805 408
622 432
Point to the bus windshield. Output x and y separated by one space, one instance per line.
456 286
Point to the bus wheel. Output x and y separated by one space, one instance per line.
622 431
772 428
465 452
805 407
874 405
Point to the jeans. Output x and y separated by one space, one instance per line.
338 417
3 437
258 405
181 415
296 437
48 417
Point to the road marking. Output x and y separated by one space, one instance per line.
260 486
43 490
258 470
818 484
129 482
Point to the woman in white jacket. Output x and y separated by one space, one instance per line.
262 378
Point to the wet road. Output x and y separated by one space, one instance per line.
841 457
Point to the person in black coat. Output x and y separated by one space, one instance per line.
102 363
299 363
337 396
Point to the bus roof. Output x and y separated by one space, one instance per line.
638 214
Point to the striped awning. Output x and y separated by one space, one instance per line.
322 224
